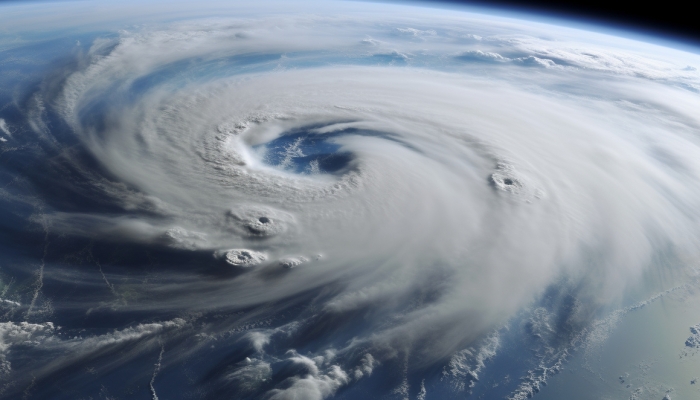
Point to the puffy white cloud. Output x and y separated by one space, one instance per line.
4 128
313 383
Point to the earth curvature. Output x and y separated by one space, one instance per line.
344 200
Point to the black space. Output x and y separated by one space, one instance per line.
673 19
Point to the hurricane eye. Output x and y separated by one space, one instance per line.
305 151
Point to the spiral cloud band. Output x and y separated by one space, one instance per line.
325 203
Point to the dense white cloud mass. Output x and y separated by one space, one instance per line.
317 198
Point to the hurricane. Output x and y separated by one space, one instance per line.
337 200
